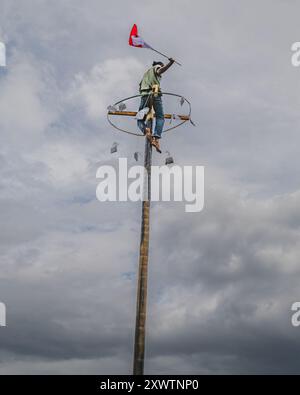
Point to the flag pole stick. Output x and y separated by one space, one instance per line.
155 50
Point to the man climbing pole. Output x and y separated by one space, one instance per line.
152 97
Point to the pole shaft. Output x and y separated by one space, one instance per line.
141 303
155 50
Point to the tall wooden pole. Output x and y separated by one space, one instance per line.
141 303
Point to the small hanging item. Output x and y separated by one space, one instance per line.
141 114
136 156
122 107
173 116
182 100
114 148
111 108
169 159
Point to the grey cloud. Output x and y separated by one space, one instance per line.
221 282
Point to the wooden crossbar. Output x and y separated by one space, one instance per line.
133 114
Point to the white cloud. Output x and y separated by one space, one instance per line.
112 79
66 163
23 114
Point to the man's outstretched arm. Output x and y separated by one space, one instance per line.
166 67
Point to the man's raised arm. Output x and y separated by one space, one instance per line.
166 67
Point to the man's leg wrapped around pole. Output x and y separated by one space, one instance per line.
146 101
160 116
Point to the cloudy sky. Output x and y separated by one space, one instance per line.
221 282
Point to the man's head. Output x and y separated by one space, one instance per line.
157 64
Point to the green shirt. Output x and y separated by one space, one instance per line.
150 78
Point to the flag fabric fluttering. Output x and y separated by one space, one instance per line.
2 55
135 40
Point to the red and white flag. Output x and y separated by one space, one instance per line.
135 40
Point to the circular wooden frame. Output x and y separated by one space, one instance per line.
140 134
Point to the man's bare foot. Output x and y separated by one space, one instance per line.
155 143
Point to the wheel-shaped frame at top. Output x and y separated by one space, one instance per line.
140 134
